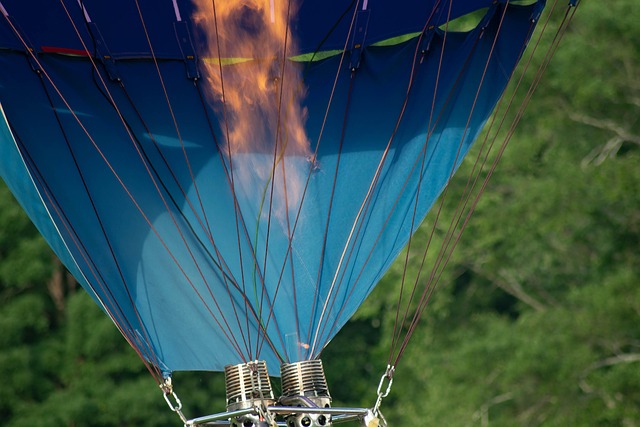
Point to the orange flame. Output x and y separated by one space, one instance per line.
247 69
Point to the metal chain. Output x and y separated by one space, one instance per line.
176 405
387 376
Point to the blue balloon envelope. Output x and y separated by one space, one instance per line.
207 254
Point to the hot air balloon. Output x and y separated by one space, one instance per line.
229 180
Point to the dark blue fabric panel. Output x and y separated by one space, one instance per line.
319 25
